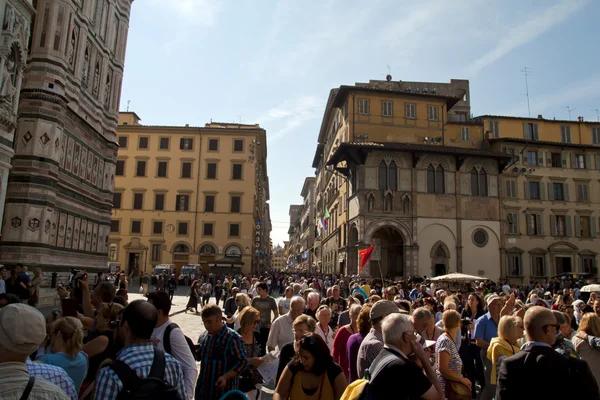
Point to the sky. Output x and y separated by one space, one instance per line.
274 63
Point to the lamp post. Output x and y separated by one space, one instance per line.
145 256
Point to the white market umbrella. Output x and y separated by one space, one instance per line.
456 277
591 288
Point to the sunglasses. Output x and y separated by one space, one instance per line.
115 324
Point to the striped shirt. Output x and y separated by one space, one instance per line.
53 374
218 355
138 357
369 349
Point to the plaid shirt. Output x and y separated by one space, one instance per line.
53 374
138 357
219 354
370 347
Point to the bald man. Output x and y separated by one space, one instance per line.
538 371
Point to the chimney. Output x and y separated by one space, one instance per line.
540 116
579 119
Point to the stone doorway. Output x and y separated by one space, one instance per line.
440 259
392 253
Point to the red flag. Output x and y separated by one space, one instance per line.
365 255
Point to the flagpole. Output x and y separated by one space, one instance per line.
381 273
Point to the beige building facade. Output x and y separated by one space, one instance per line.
190 195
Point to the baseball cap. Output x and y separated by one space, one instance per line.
22 328
491 298
383 308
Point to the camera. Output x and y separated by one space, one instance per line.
75 277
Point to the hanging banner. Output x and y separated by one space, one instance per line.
376 256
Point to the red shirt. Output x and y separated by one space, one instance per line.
339 349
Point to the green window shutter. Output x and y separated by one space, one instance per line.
540 158
525 130
535 132
566 191
597 158
550 191
529 225
573 160
526 189
563 157
593 227
553 231
548 159
588 163
539 221
577 226
543 190
507 192
568 229
513 188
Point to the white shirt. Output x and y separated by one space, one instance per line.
284 305
282 332
181 351
328 338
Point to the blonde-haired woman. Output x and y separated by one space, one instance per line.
34 290
587 342
249 318
241 301
66 339
449 364
510 330
323 328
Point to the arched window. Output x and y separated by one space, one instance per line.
474 182
430 179
440 186
181 248
383 179
483 183
392 176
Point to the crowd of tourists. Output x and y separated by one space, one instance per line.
331 337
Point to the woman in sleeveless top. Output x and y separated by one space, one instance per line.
101 347
313 376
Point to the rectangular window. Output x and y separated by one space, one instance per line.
235 204
157 227
211 171
580 161
559 227
182 228
186 170
159 202
587 263
494 129
207 229
138 201
115 226
186 144
534 191
156 253
513 265
182 202
59 28
465 133
213 144
534 225
565 134
143 142
45 25
236 172
161 169
531 158
387 108
513 223
530 131
140 168
433 113
557 160
120 169
209 203
511 189
238 145
363 106
537 266
558 191
164 143
123 142
584 226
234 230
596 135
136 226
583 192
410 110
117 196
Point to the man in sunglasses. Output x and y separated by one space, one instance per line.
538 371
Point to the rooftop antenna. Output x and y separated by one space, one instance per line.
240 118
388 77
527 71
597 113
128 101
569 109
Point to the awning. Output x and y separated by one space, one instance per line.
232 261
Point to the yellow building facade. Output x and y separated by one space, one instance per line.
190 195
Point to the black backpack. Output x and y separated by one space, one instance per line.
152 387
380 362
167 339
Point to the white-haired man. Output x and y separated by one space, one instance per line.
282 331
393 368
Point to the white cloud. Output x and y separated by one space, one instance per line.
291 114
529 29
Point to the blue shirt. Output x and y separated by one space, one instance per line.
486 328
75 368
53 374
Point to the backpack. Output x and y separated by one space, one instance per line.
152 387
167 339
361 389
28 388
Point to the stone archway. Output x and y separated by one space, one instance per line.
440 259
390 243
